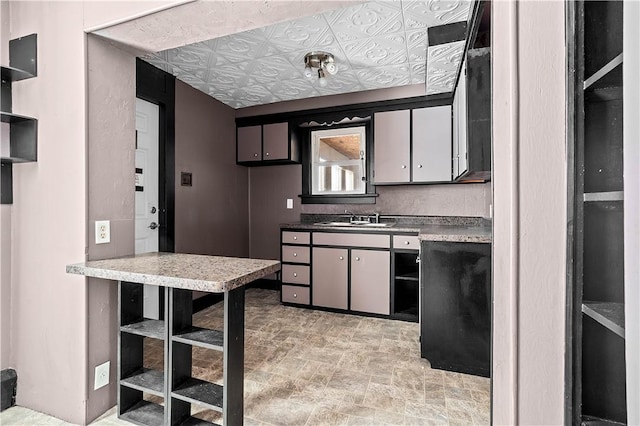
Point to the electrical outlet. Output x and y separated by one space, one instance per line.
102 375
289 203
103 232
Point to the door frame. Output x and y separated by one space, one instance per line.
158 87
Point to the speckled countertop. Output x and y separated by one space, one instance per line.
428 228
456 233
214 274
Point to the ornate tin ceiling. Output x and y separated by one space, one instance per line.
378 44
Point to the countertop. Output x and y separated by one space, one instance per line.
214 274
428 228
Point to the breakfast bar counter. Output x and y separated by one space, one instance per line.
179 275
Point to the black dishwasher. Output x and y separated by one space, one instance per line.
455 323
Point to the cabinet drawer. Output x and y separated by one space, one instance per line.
352 240
295 254
294 294
295 274
408 242
295 237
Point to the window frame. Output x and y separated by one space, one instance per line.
307 197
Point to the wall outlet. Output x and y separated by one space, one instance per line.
289 203
103 231
102 375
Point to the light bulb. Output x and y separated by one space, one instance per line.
308 72
331 68
322 80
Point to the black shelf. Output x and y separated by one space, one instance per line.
196 391
592 197
146 328
9 117
145 413
609 75
596 421
146 380
205 338
194 421
610 315
10 74
413 276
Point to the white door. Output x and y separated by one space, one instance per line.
147 160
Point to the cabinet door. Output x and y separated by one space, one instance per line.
329 285
370 281
275 141
391 146
432 144
460 123
250 143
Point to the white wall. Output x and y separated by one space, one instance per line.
530 220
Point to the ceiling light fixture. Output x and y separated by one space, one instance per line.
325 64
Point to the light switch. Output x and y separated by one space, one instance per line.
289 203
103 232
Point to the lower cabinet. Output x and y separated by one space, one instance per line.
370 286
330 277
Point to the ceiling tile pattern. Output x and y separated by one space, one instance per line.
378 44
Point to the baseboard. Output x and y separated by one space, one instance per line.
8 384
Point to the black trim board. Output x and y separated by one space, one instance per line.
448 33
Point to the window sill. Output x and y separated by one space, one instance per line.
339 199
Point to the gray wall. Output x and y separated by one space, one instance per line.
211 215
111 153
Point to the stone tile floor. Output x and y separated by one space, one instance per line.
306 367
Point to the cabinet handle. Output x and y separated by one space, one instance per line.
295 274
295 254
255 154
407 242
404 166
357 258
266 154
295 295
419 166
341 258
295 238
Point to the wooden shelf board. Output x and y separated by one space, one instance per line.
610 315
9 117
146 380
603 196
194 421
205 338
15 74
145 413
147 328
602 72
195 391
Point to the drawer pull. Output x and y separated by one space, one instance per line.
419 166
341 258
295 274
255 154
266 154
295 295
295 254
357 258
407 242
295 238
404 167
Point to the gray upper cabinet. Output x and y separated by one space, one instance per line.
392 144
431 144
249 143
275 141
413 146
267 144
460 124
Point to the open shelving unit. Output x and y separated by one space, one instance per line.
406 285
175 385
599 369
23 130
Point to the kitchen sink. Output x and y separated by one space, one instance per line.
356 224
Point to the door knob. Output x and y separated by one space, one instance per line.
153 225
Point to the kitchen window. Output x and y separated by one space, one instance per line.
338 161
